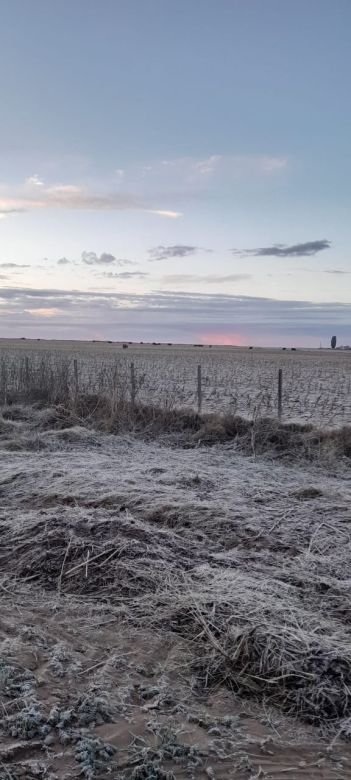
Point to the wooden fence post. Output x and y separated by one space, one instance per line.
3 382
76 382
132 384
26 371
199 390
115 380
280 393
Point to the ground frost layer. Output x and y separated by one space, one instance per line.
170 612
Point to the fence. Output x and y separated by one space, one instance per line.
312 387
26 379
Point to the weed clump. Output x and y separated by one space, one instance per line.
28 723
93 756
15 682
151 771
89 709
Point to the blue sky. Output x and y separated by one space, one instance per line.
154 154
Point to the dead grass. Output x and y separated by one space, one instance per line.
154 524
296 664
261 631
316 384
188 429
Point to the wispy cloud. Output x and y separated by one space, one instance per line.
13 265
181 179
44 312
218 164
337 272
34 181
92 258
34 194
164 213
8 207
268 165
151 188
162 252
239 308
207 166
179 316
204 279
306 249
124 275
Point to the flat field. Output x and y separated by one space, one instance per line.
170 610
316 383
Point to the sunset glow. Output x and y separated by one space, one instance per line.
224 339
190 177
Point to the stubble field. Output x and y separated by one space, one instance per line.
175 588
316 383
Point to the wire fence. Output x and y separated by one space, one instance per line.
302 390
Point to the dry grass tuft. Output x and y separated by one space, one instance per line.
167 533
188 429
307 677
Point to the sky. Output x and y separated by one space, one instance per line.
176 170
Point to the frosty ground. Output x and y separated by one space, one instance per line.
239 380
170 609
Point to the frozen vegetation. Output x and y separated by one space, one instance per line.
316 384
175 596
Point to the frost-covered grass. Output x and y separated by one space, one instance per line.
316 384
171 609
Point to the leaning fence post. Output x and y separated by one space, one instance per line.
76 383
199 389
132 383
280 393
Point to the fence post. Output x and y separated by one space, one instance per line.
132 384
26 371
76 383
280 393
199 390
115 381
3 383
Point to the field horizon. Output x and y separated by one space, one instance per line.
315 385
19 342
